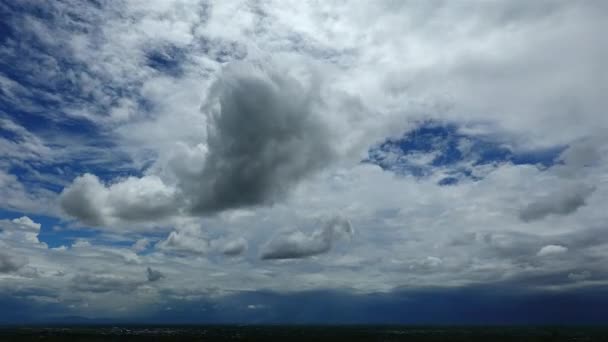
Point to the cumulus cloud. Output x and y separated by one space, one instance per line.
21 229
552 249
235 247
264 136
10 263
140 245
564 202
186 240
297 244
132 199
153 275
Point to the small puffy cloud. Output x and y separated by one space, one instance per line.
255 306
26 223
140 245
185 240
235 247
552 249
10 263
296 244
81 243
133 199
21 229
563 202
153 275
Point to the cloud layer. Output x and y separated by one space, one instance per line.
156 155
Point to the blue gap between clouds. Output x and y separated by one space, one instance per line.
53 231
42 114
437 146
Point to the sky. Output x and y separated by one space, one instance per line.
194 161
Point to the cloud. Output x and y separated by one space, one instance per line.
579 276
141 113
185 240
27 224
133 199
235 247
103 283
563 202
21 229
140 245
15 195
552 249
296 245
153 275
10 263
582 153
264 136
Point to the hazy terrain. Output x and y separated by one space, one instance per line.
301 333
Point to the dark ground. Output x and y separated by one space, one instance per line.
302 333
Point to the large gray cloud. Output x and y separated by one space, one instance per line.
299 245
563 202
264 136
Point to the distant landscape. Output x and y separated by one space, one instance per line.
302 333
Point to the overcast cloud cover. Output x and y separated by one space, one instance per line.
158 156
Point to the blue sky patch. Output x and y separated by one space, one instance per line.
434 147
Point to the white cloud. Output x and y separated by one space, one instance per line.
140 245
21 229
552 249
294 245
187 239
132 199
235 247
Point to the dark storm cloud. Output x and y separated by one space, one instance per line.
562 203
154 275
264 137
10 263
299 245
